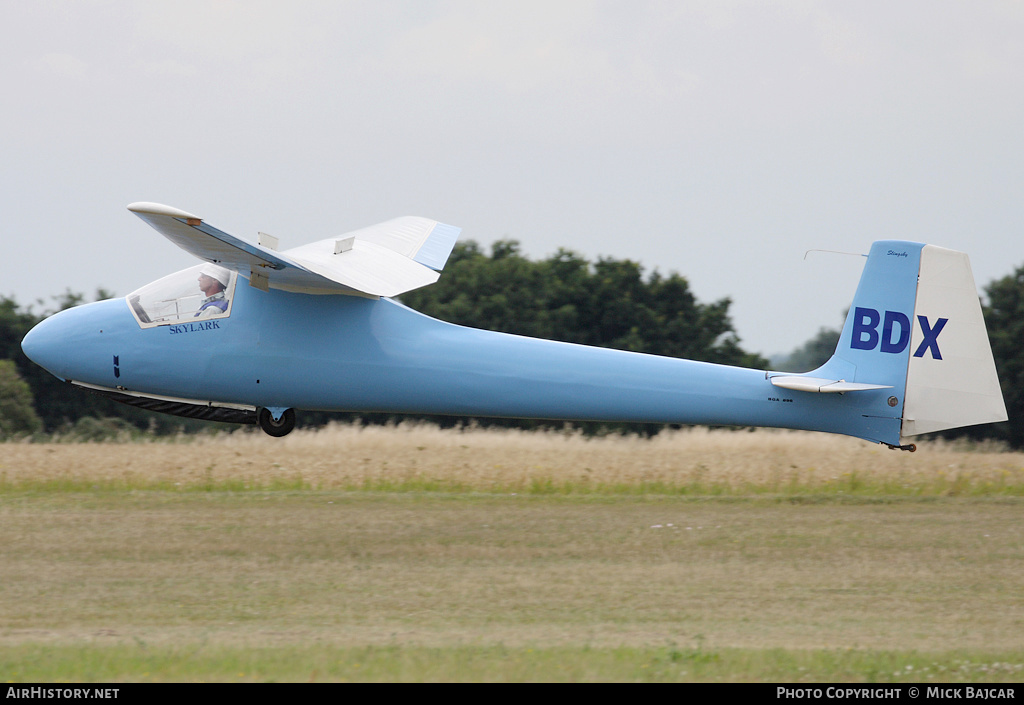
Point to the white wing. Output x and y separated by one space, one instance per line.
382 260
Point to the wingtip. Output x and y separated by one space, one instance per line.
160 209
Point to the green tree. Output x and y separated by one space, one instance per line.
14 324
609 303
17 415
1004 317
812 354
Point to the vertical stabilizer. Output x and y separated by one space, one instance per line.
873 345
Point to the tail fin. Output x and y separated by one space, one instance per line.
916 325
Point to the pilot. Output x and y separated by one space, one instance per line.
213 281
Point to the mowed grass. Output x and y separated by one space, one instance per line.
498 663
413 553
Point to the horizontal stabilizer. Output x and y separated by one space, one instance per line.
800 383
382 260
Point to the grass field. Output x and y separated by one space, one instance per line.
413 553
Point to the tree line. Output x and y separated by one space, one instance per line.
608 303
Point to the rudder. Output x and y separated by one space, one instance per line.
951 376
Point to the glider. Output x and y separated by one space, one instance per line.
252 334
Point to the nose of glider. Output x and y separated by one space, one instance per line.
66 344
44 343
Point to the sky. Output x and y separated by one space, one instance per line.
718 139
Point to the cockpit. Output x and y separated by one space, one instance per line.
199 293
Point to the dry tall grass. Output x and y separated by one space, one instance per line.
416 456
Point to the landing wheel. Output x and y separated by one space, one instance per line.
281 427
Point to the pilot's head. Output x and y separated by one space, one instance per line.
213 279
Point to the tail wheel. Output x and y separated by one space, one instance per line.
281 427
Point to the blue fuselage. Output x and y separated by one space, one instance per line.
346 353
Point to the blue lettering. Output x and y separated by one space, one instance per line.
931 337
865 322
192 327
895 334
891 318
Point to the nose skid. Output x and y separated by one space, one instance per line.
76 344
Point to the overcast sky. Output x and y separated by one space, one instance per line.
717 139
